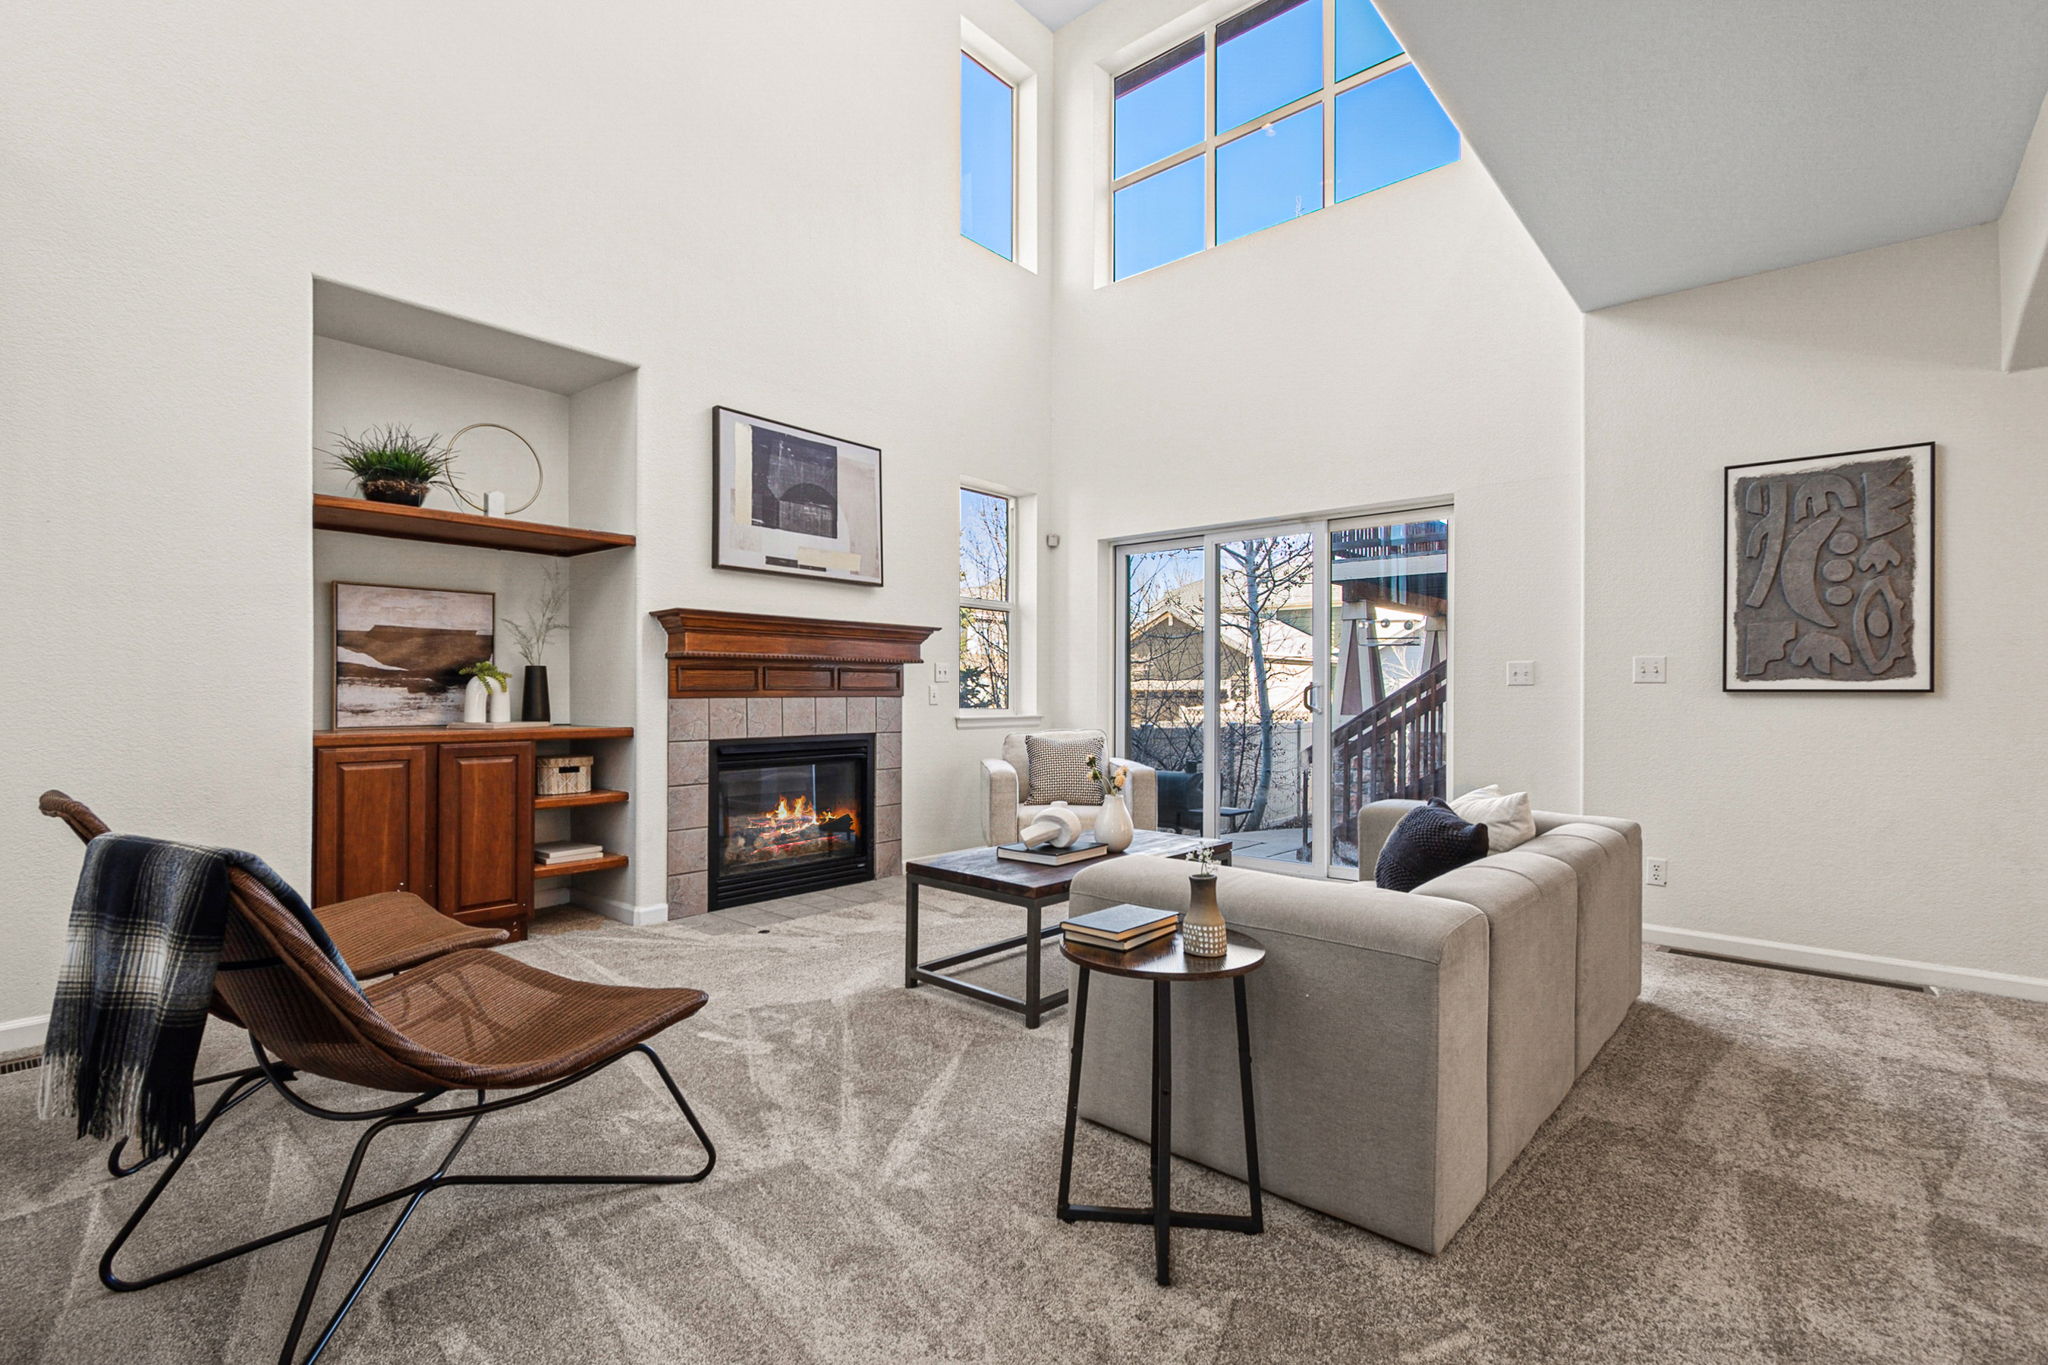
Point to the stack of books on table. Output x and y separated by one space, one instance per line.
1080 850
1120 928
566 851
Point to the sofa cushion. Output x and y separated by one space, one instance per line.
1508 819
1531 904
1429 842
1059 766
1610 937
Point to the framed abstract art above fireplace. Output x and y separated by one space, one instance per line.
1829 573
796 502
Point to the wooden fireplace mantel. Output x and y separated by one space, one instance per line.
735 654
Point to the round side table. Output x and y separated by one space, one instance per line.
1164 964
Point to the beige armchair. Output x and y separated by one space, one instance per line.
1006 784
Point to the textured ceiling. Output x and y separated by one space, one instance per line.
1655 147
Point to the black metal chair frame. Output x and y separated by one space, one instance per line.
274 1074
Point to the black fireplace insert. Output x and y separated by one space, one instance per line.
790 815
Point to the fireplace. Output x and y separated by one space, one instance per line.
788 815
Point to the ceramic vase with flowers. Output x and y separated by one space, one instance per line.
1113 827
488 686
1202 930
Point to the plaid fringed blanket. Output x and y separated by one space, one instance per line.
139 960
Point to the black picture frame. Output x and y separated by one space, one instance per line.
791 518
1919 607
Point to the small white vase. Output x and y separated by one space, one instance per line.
474 701
1113 826
501 704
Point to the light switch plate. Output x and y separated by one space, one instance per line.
936 695
1649 668
1521 672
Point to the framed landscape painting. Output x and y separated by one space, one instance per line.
792 501
1829 581
398 652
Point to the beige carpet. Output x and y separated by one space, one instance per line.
1761 1167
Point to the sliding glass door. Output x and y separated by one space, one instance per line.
1249 654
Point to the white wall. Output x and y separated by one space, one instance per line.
2023 257
1905 827
1410 345
756 204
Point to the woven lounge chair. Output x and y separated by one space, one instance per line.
471 1020
375 935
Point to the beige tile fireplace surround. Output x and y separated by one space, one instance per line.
737 676
694 722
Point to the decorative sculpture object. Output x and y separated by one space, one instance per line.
1054 827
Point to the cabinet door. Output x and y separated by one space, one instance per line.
373 821
486 833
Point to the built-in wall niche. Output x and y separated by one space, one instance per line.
379 361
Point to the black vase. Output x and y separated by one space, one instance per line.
535 707
404 492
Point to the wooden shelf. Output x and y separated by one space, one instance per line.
608 861
591 798
464 734
458 528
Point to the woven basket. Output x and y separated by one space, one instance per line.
568 775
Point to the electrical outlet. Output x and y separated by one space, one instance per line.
1659 873
1521 672
942 672
936 695
1649 668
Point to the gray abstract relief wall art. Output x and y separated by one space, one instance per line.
1830 573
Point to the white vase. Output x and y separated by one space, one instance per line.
474 701
1113 826
501 704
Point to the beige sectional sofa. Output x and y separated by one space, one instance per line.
1405 1046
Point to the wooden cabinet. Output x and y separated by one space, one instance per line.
442 813
373 821
485 833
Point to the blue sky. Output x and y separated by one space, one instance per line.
1386 130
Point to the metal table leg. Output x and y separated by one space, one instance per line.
910 932
1162 1127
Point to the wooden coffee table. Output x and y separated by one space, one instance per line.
1033 886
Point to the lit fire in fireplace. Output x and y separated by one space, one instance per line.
794 829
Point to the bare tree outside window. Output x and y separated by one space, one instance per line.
987 602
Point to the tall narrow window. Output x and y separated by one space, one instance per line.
1283 108
988 159
988 599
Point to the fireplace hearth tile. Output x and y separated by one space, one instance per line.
686 850
689 807
888 786
799 716
888 751
888 859
860 715
686 718
688 762
889 714
727 718
764 717
832 715
888 824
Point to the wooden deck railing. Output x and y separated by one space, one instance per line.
1394 751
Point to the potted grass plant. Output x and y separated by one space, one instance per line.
391 464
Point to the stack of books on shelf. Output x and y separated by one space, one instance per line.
1120 928
1080 850
566 851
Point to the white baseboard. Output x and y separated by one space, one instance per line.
16 1034
1898 969
625 912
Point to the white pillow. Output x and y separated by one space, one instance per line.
1508 818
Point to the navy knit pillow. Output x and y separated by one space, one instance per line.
1429 841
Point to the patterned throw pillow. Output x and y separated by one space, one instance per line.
1429 841
1059 767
